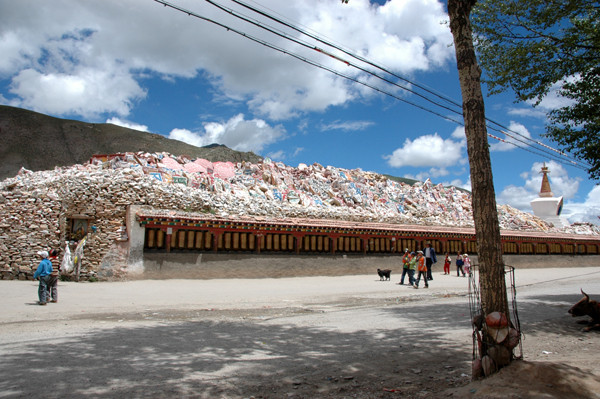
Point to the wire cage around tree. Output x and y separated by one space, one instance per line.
496 338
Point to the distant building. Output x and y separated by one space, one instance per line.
547 206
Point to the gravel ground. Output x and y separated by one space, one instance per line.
303 337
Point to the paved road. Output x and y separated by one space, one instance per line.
237 338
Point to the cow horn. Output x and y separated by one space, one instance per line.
586 295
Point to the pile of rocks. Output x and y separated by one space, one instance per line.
35 207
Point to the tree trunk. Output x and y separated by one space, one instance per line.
487 229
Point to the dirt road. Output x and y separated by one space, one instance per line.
305 337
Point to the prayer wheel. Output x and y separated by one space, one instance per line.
181 239
244 241
269 241
160 239
150 238
283 242
199 240
190 239
236 240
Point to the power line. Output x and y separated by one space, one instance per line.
345 76
320 50
301 58
355 56
386 70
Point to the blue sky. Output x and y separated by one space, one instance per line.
139 64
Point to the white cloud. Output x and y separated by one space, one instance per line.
237 133
437 172
459 134
466 185
554 100
127 124
277 155
519 197
551 101
348 126
527 112
587 211
431 174
85 92
416 27
87 58
428 150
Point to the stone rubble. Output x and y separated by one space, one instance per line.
34 206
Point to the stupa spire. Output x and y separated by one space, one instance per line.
545 191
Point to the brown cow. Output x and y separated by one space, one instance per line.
585 307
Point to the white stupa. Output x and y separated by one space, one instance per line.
547 206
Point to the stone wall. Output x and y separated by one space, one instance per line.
36 207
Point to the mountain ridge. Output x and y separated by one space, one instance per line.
36 141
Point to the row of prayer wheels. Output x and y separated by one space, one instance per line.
204 240
241 241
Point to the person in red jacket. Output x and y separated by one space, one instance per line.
422 268
447 263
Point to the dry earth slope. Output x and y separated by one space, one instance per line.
40 142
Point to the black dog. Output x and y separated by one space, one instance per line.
384 274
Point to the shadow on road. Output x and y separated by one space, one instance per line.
232 359
213 359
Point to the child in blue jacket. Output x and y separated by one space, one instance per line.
43 272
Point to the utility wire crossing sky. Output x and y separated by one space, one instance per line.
369 85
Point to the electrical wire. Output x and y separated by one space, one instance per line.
386 70
303 59
345 76
320 50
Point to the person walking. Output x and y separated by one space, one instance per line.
467 265
412 267
53 281
422 268
405 265
430 259
459 265
447 263
43 272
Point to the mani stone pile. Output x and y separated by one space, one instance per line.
35 206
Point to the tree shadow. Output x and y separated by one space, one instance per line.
213 359
229 358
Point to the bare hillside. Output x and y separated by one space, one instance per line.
40 142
